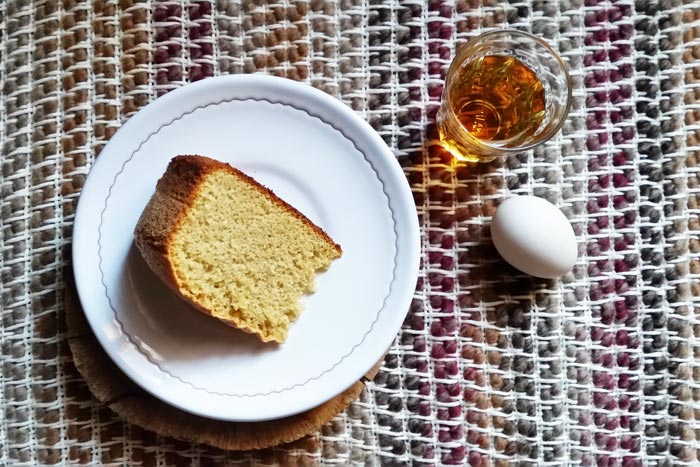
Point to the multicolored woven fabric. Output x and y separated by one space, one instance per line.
491 368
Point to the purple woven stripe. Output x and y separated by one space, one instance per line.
611 129
183 43
167 56
445 385
448 364
200 44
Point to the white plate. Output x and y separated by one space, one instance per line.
315 153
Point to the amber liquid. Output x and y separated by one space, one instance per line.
497 99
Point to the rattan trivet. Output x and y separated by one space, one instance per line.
109 385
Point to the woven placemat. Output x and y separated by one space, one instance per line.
600 368
113 388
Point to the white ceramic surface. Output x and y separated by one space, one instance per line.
315 153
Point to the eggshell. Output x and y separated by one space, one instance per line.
534 236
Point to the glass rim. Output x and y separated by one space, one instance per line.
464 52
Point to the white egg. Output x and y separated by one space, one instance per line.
534 236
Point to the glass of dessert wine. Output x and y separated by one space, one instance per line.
505 92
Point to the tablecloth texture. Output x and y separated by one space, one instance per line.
491 368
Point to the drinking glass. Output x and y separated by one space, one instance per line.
505 92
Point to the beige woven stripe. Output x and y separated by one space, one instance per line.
675 213
691 55
269 37
106 72
122 83
76 95
135 56
691 352
76 151
77 154
93 72
30 241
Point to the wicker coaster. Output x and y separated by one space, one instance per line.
112 387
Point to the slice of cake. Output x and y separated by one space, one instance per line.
230 247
